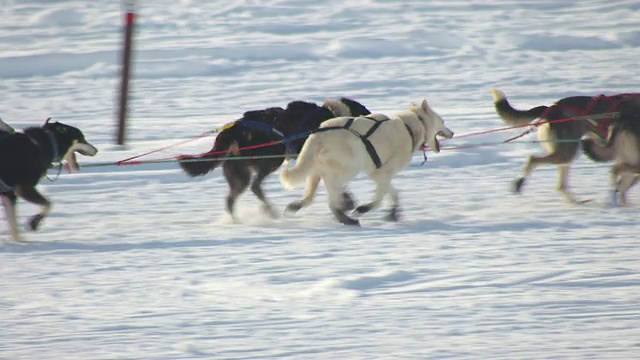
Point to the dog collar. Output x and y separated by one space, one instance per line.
413 139
54 146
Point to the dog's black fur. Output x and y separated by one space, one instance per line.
294 123
25 158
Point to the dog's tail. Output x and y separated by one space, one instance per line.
199 165
290 177
513 116
597 151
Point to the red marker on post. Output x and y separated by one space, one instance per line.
129 7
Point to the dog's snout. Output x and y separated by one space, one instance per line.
87 149
446 133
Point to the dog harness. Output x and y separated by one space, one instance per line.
603 126
604 118
258 125
54 146
365 138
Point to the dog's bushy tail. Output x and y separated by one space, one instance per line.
597 151
513 116
199 165
290 177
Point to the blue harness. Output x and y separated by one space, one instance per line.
258 125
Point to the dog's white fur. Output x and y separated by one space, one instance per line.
337 107
337 156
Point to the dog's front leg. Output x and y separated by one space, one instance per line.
9 202
32 195
623 177
383 187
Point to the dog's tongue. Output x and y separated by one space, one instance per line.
72 163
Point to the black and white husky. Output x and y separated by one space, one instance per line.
623 148
375 144
25 158
563 124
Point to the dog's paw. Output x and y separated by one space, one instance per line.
344 218
34 222
293 207
350 221
362 209
348 203
614 199
393 215
517 185
270 211
13 241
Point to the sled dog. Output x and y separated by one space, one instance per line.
24 160
562 126
375 144
623 148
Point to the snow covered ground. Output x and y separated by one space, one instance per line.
140 262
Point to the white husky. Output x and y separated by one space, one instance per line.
376 144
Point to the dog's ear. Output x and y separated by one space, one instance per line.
47 121
424 105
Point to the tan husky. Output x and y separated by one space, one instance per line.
562 126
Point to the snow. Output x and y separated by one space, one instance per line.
141 262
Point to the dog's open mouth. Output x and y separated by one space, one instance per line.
83 149
436 142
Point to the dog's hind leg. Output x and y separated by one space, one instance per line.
9 202
32 195
529 166
347 202
309 194
238 177
336 202
256 189
563 185
561 157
